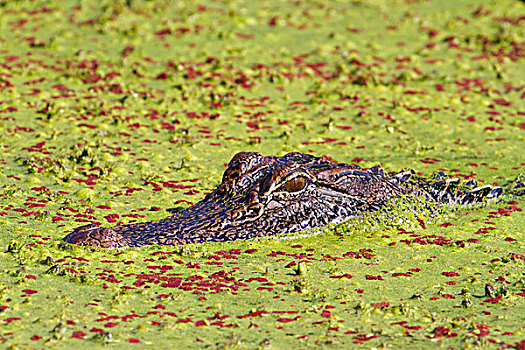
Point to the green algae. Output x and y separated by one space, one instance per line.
113 111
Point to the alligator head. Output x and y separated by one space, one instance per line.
262 196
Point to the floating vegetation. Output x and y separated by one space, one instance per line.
112 112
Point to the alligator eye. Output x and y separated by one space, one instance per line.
230 175
294 185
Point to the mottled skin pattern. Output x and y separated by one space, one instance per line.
265 196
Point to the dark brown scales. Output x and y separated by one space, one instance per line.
264 196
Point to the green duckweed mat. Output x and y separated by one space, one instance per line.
113 111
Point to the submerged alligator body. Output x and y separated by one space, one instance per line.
265 196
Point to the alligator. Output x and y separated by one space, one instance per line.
267 195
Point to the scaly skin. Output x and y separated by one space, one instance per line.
265 196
